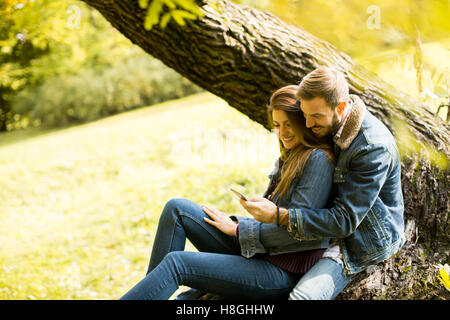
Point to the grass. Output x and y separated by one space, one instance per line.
80 206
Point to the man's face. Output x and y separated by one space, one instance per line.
320 118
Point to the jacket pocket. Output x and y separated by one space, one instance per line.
376 225
373 232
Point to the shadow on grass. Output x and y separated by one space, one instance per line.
7 138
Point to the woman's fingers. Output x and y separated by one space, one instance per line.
215 218
213 213
219 220
211 222
208 211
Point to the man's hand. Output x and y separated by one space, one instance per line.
220 220
262 209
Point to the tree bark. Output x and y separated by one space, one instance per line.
242 55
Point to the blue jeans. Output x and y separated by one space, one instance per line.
217 268
323 281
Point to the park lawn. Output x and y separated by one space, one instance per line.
80 206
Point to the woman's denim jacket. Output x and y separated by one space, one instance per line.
367 214
311 189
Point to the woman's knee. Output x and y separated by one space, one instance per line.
176 262
172 258
177 207
173 203
172 208
180 204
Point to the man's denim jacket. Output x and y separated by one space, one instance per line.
367 214
311 189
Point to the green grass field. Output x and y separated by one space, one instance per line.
80 206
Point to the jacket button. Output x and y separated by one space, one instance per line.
275 250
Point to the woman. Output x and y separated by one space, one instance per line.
239 257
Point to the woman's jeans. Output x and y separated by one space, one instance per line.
217 268
220 269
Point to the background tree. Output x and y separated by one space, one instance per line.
16 54
57 74
242 55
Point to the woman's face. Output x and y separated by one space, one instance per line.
283 129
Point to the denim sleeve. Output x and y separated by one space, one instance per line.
356 195
249 236
311 189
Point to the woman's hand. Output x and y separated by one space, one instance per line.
220 220
262 209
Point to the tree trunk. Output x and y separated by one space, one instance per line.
242 55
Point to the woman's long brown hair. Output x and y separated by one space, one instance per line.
294 159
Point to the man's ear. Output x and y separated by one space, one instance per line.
341 107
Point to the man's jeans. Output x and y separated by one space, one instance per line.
323 281
218 268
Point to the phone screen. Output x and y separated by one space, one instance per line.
240 195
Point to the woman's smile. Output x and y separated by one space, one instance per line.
287 139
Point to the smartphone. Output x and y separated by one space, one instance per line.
237 193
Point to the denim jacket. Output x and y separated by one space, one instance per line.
310 189
367 214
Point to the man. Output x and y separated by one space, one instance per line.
365 220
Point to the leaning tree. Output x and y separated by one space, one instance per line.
242 55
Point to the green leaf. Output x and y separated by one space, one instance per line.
155 9
444 277
143 4
170 4
153 13
190 6
165 20
185 14
178 17
150 21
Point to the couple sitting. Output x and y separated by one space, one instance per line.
299 245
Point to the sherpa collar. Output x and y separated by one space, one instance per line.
353 124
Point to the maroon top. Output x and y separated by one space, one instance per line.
295 262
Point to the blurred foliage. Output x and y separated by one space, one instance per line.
93 94
61 61
349 24
58 58
406 42
366 30
178 10
444 271
408 145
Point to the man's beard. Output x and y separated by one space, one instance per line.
334 124
331 129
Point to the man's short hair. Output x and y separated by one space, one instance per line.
324 82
